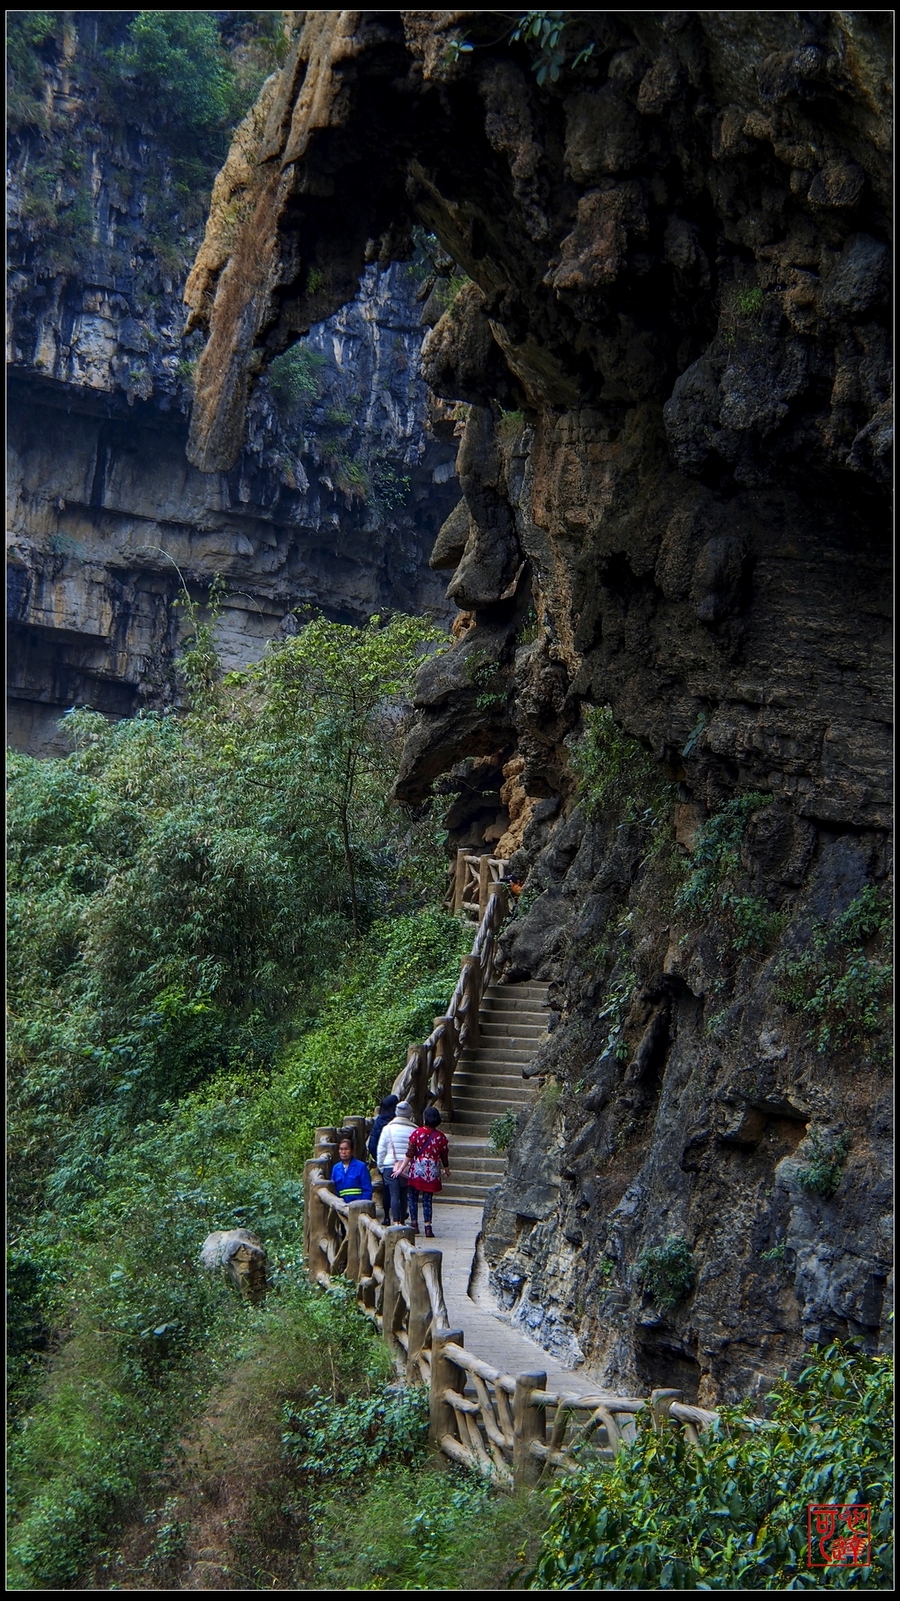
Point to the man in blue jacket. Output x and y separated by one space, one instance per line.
349 1176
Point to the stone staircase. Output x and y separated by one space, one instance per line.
488 1082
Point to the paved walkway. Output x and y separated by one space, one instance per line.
487 1334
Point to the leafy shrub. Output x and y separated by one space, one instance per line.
821 1175
177 59
295 380
749 302
424 1529
667 1271
839 988
390 486
717 856
329 1441
545 29
613 769
731 1514
28 33
502 1132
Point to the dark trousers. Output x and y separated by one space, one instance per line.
427 1204
397 1190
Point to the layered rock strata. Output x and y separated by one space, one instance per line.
334 501
673 345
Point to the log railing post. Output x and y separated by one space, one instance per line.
445 1375
325 1148
529 1424
472 981
420 1312
418 1092
660 1403
392 1302
447 1048
459 884
319 1223
484 885
354 1252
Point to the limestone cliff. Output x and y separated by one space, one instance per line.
674 350
339 489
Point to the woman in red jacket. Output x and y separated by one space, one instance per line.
426 1154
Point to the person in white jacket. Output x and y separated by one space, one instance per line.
395 1137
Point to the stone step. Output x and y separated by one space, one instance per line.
473 1080
481 1114
510 1068
514 1094
473 1167
502 1006
527 987
497 1052
511 1034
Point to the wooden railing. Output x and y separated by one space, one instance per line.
511 1428
427 1078
472 883
398 1285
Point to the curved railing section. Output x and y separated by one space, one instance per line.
427 1078
510 1428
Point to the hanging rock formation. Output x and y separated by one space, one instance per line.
674 350
333 502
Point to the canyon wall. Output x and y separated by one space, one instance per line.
333 502
668 698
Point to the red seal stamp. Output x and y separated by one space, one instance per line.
839 1536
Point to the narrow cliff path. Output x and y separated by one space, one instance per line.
488 1083
471 1307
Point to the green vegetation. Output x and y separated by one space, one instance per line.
330 1442
390 487
711 887
821 1175
28 33
731 1515
545 31
840 985
749 302
667 1271
295 381
186 1003
446 289
778 1253
614 770
502 1132
186 77
427 1528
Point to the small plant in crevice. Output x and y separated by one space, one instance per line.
486 677
667 1271
613 769
295 381
840 985
717 856
821 1174
502 1132
546 30
777 1254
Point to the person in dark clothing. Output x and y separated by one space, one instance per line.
349 1176
385 1112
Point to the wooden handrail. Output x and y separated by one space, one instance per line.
494 1422
427 1078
